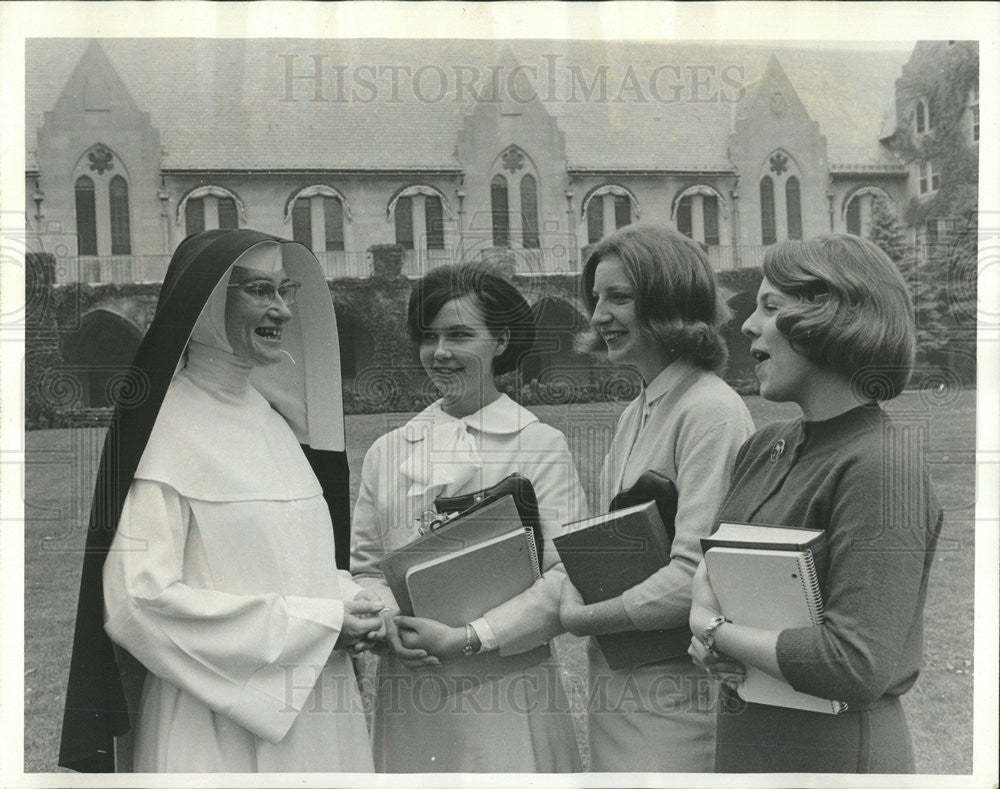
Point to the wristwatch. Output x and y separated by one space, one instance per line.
470 647
708 634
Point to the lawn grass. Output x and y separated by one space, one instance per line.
60 474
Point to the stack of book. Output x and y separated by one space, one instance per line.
768 577
460 571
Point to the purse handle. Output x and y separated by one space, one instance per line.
515 485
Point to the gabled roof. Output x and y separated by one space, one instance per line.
849 100
221 103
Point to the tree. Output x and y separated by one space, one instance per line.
886 232
941 277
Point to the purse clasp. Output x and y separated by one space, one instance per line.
432 520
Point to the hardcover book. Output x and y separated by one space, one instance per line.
776 538
607 554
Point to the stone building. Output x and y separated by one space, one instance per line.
525 151
933 131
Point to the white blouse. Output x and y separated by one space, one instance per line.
435 454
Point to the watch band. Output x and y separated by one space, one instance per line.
470 647
708 634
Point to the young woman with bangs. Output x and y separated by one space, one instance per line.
655 306
469 325
833 332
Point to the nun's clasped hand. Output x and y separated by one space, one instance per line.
362 623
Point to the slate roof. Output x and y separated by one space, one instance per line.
219 103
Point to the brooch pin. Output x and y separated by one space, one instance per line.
778 450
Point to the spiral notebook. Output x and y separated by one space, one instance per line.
772 590
499 517
775 538
459 587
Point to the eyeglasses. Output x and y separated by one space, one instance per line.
265 293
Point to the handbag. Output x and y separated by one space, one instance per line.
514 485
651 486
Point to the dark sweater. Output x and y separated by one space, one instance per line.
861 477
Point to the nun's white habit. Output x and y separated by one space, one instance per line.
221 578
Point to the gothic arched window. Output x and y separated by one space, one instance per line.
121 240
854 217
921 119
404 222
768 233
793 207
227 214
529 212
434 222
333 224
194 216
623 211
595 221
612 201
86 216
302 222
501 216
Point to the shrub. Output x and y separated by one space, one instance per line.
387 260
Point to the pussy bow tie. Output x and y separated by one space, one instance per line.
446 458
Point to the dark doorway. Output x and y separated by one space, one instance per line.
99 352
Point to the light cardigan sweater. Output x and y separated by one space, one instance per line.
688 425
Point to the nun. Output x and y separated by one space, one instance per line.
214 626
